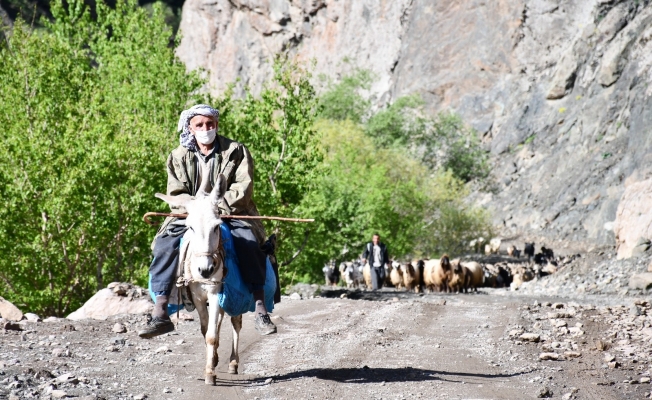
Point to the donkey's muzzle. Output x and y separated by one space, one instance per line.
207 272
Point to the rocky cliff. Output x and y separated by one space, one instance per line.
558 90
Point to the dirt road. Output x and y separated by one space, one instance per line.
390 346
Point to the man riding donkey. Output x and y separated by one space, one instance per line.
201 149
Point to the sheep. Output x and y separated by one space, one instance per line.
410 277
529 250
366 273
496 276
342 269
476 244
437 274
331 274
474 275
396 277
525 276
352 275
428 269
420 269
457 277
389 267
494 245
490 277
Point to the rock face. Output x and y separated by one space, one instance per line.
108 302
558 89
633 226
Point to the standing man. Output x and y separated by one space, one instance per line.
376 255
200 144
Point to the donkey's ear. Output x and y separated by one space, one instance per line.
219 190
176 201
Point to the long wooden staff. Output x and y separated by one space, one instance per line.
159 214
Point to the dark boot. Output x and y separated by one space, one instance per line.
158 322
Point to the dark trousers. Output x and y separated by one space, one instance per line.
377 277
251 259
165 263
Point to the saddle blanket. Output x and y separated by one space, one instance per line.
235 298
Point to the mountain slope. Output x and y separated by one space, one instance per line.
557 89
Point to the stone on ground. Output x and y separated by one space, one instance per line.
106 303
641 281
9 311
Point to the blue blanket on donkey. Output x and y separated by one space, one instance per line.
235 298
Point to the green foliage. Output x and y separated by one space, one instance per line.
362 189
400 123
277 126
88 109
459 149
442 142
345 100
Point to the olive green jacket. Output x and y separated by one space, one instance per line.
234 161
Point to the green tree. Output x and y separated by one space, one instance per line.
345 100
87 109
440 142
278 128
361 189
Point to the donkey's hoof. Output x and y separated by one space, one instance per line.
233 369
210 380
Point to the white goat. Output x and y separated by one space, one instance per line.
352 274
202 256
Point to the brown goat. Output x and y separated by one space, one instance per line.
441 274
474 275
457 277
410 277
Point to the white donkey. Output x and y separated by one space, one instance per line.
202 256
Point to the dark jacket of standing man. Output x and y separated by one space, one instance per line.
376 255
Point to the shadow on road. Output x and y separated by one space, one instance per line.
370 375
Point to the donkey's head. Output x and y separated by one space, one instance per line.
204 223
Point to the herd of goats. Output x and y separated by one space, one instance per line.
453 276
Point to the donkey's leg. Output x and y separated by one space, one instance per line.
236 322
202 310
211 339
220 318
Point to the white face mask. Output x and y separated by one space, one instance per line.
205 137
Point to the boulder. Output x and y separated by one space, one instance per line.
530 337
633 224
106 303
641 281
9 311
33 317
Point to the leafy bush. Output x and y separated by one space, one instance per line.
278 128
88 110
457 148
361 189
442 142
401 123
345 100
